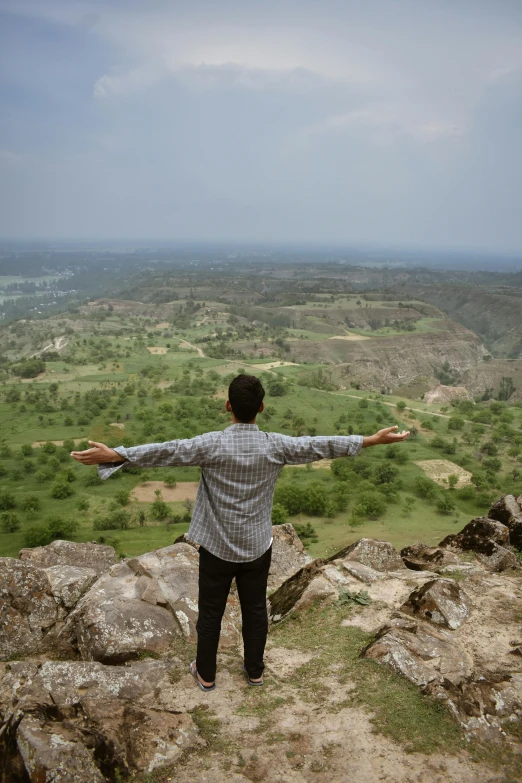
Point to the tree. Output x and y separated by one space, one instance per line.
401 405
276 388
453 480
279 514
122 496
9 522
291 497
61 490
7 501
386 473
159 509
37 535
61 528
409 502
370 504
425 487
445 505
31 504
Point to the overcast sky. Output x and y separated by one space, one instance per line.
383 121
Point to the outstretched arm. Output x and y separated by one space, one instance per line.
297 451
385 436
190 451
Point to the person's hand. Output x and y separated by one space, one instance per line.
387 435
97 455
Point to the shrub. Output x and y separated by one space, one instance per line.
279 514
82 504
9 522
456 423
315 498
49 448
370 504
386 473
115 518
492 463
26 449
61 528
445 505
425 487
31 504
7 501
170 481
122 496
290 496
37 535
159 509
61 490
306 532
467 493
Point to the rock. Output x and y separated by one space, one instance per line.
506 510
420 557
500 559
379 555
477 535
488 539
96 556
285 598
319 589
363 572
441 601
69 583
142 605
420 654
82 722
27 608
288 555
57 754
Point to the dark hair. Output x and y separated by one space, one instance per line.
245 395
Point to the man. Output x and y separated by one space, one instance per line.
231 521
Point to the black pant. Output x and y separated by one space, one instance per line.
215 578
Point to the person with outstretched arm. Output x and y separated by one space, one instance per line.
231 520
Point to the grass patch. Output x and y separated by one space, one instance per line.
399 710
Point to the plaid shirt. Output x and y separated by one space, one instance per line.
239 469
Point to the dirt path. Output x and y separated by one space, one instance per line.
186 344
57 344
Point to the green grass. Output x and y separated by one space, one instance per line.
399 710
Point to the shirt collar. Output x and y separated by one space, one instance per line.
241 427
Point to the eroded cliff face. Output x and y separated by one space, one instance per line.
395 361
495 317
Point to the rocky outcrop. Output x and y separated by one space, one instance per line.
288 555
96 556
141 606
441 601
508 511
379 555
287 597
488 540
27 607
83 722
420 557
423 655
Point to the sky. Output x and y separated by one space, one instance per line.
387 122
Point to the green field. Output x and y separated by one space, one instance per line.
102 378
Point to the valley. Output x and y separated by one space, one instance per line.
151 361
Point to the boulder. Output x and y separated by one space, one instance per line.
27 608
422 655
488 539
83 722
288 555
441 601
363 572
141 605
506 510
96 556
379 555
69 583
57 754
420 557
287 596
